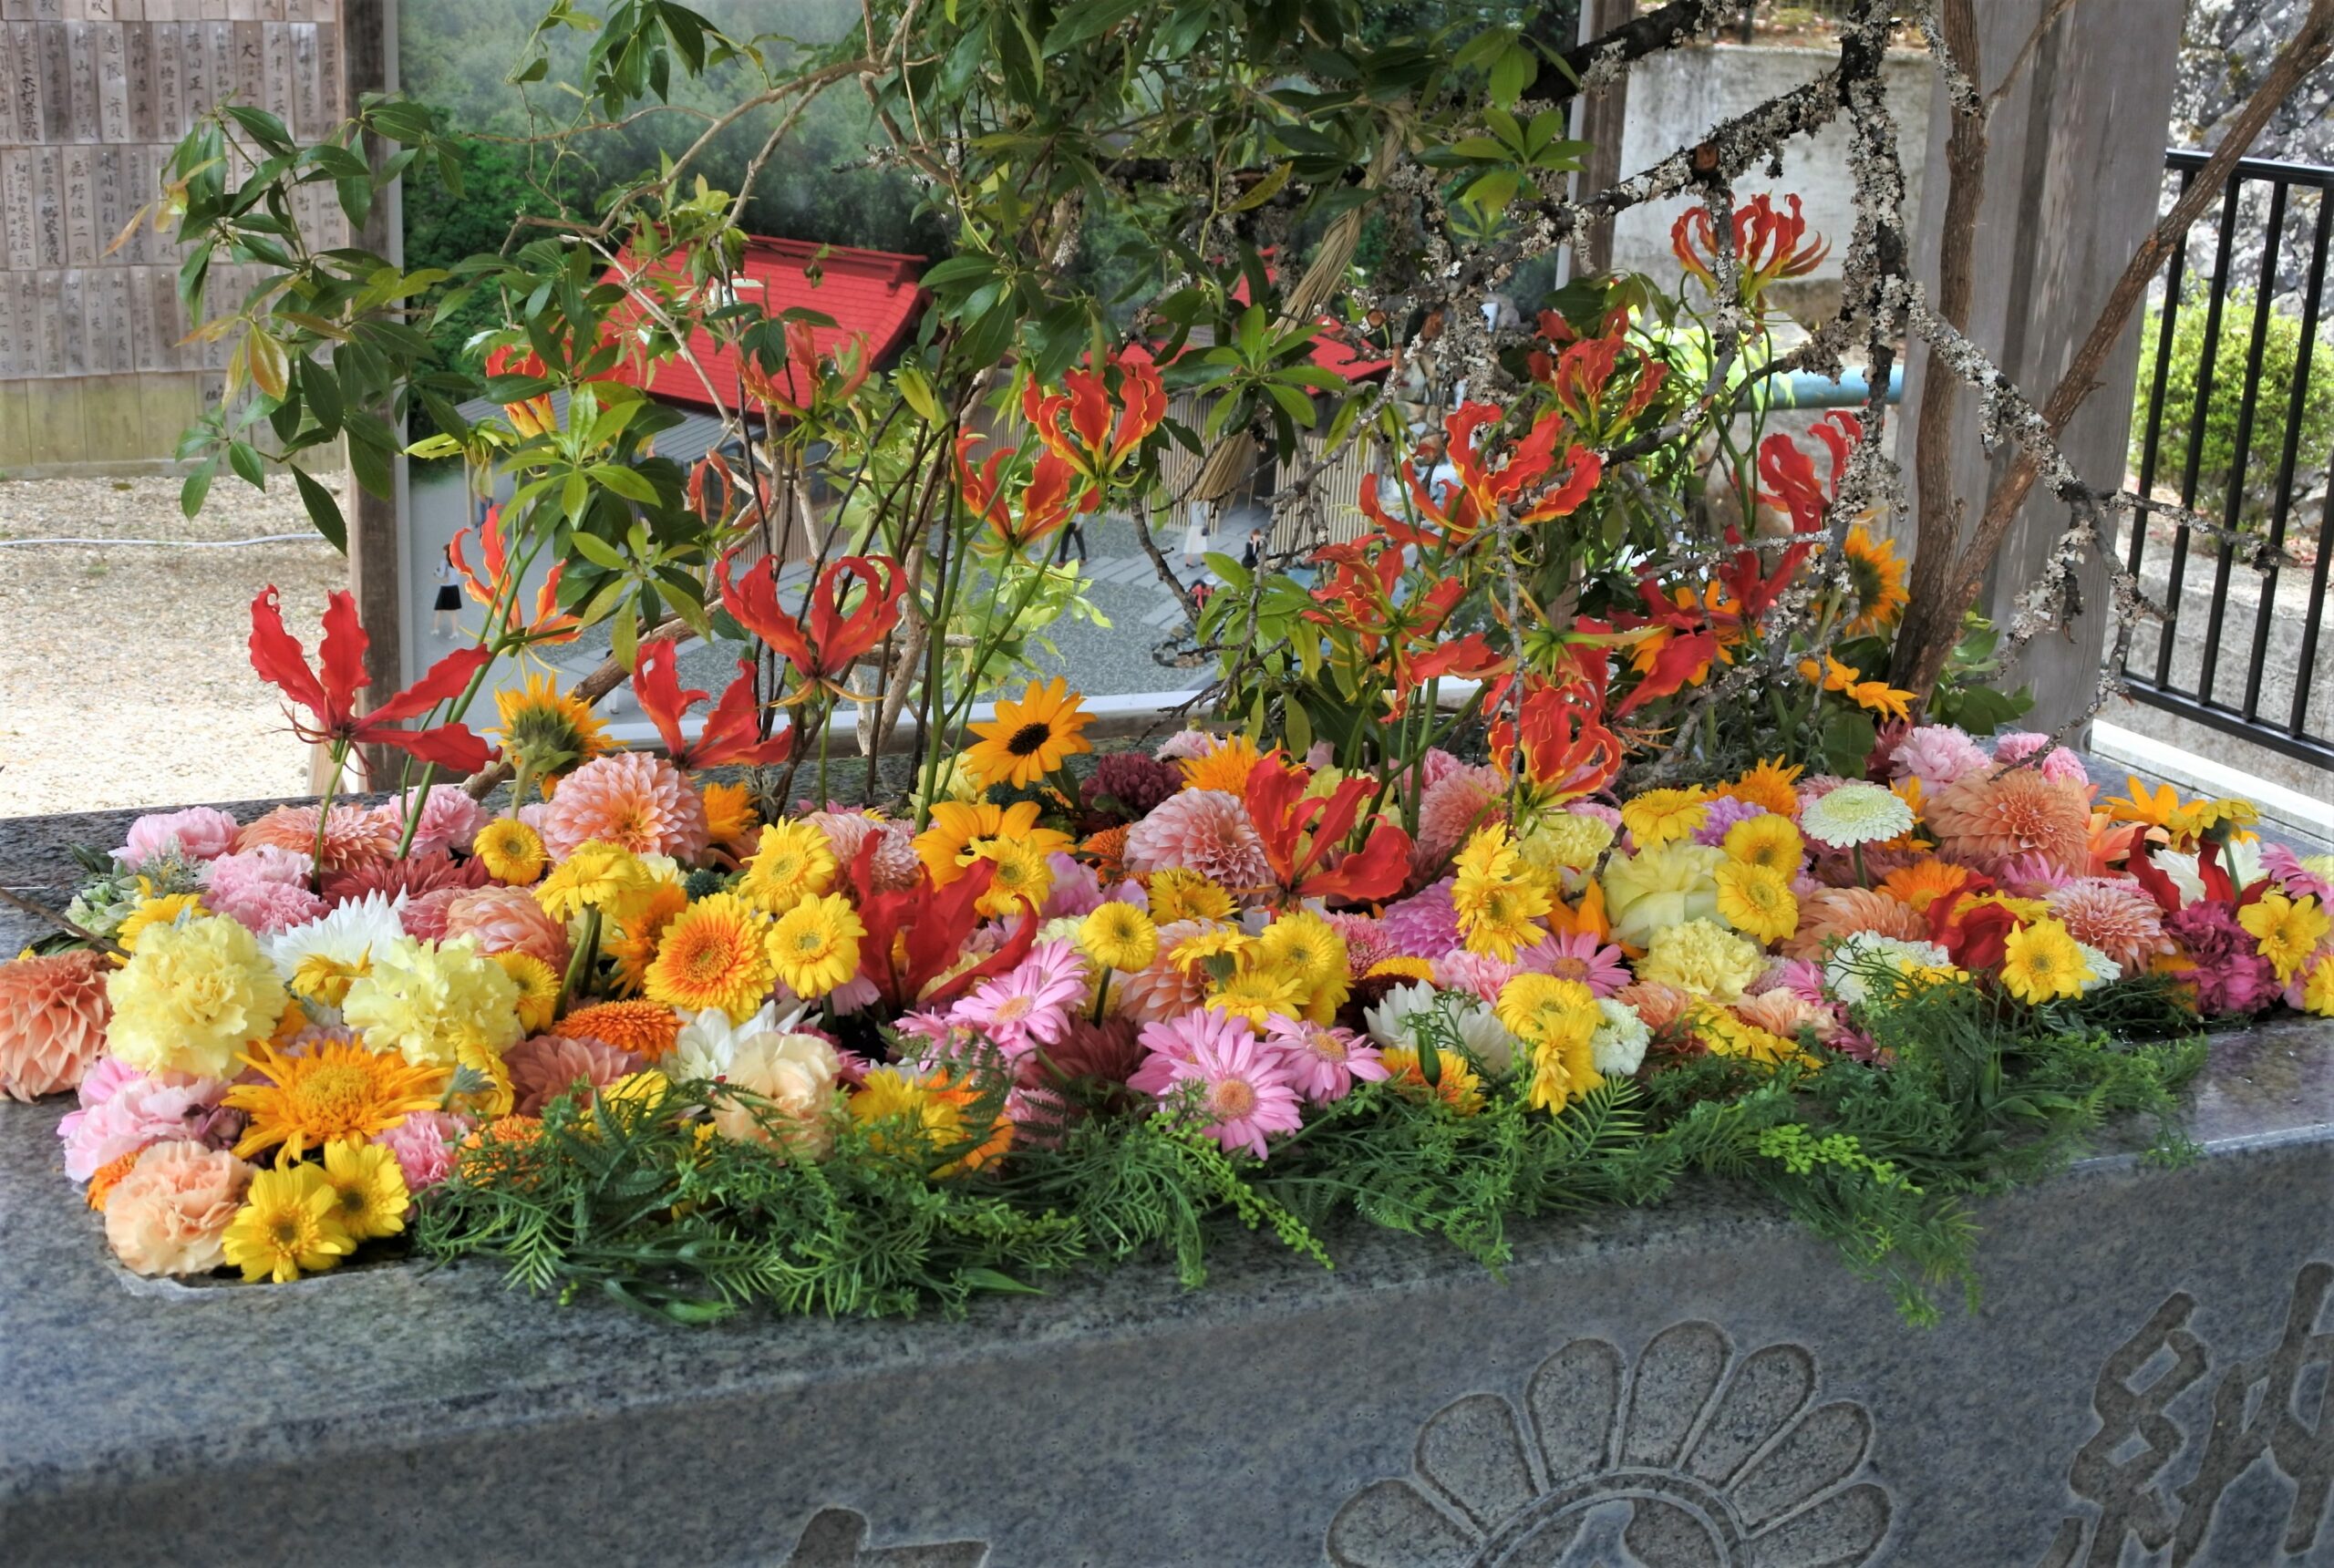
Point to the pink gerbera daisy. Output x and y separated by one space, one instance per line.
1029 1005
1171 1044
1599 965
1246 1090
1323 1060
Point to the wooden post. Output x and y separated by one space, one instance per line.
2075 167
1600 118
377 570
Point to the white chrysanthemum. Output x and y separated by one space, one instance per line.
1394 1023
1855 813
2101 968
708 1045
1852 960
1619 1045
2241 858
341 942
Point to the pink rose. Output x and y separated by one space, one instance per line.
169 1215
201 833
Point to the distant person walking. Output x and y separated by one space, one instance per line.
446 610
1196 536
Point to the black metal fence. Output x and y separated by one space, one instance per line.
2235 420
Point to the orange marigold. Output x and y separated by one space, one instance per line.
646 1030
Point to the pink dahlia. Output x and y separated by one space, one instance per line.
2058 765
53 1015
1938 755
145 1108
1989 819
424 1146
1365 939
424 914
631 799
544 1067
2115 916
265 908
450 818
1203 831
1246 1088
1599 965
2029 875
1438 765
1108 1052
2229 971
508 920
1029 1005
1165 991
1450 808
354 837
414 876
1473 973
1422 925
200 832
1324 1061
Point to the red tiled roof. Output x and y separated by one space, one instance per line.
869 294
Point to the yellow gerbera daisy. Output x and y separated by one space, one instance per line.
338 1090
538 984
548 732
714 953
1180 895
1659 817
1725 1032
911 1114
1308 946
1030 738
288 1224
1198 948
1226 768
1757 900
1497 903
2317 993
2040 963
1770 843
511 851
2286 930
815 944
794 861
1457 1084
598 875
1770 784
369 1197
1119 936
1256 991
1024 875
1877 577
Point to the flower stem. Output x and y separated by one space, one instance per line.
323 813
579 965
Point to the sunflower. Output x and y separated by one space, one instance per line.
546 732
370 1196
1180 895
511 850
891 1102
1119 936
633 947
538 984
337 1089
1757 900
714 953
1030 738
1877 576
950 844
1226 768
815 944
1770 784
646 1030
288 1223
1770 843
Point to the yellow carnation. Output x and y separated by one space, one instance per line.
192 996
435 1002
1701 958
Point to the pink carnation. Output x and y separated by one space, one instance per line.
1365 939
2229 973
265 862
1076 889
266 907
146 1108
169 1215
450 818
1483 976
200 834
1936 755
424 1146
1422 925
1203 831
1186 743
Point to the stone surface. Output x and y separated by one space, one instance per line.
1700 1385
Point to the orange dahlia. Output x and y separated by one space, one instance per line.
632 801
2114 916
354 836
1658 1004
508 920
53 1015
1987 819
647 1029
1828 913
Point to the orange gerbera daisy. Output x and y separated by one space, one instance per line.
714 953
338 1090
647 1029
1226 768
1925 882
1770 784
635 946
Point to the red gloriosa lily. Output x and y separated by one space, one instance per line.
823 652
1283 813
1095 444
329 691
1789 475
1766 244
1046 503
915 935
732 732
1559 735
793 386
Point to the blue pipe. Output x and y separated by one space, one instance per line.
1805 389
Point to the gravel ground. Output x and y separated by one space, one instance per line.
124 679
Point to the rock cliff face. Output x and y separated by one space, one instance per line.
2224 48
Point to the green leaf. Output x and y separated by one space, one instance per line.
624 634
195 487
324 511
629 484
1848 741
1086 19
991 1280
596 551
243 458
1516 69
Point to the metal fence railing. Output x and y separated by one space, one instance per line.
2234 420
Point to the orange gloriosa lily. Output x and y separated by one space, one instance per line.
1358 599
1767 245
1078 423
328 692
1301 833
793 386
1521 477
1558 732
732 731
822 651
496 590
